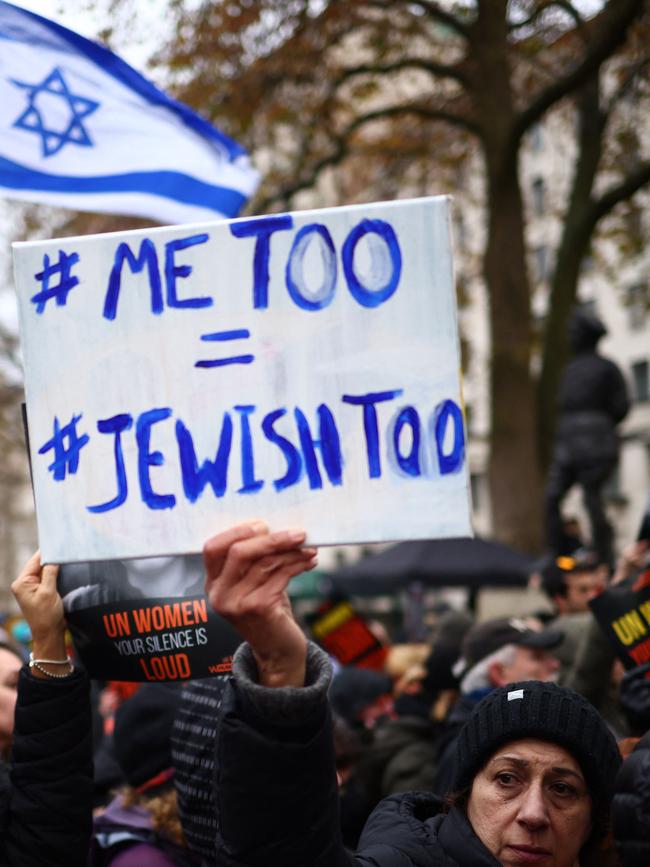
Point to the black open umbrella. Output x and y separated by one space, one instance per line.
472 563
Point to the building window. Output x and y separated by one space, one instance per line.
636 302
640 381
538 189
537 137
541 262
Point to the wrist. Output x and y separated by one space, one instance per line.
279 672
50 669
278 678
50 647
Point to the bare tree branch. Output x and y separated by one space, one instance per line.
609 31
569 8
341 145
628 80
440 70
432 9
617 193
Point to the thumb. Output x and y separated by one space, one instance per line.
49 574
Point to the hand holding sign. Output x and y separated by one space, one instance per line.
248 569
634 557
36 594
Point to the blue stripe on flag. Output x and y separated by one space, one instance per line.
113 65
174 185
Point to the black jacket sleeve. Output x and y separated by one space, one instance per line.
616 390
276 789
631 807
49 815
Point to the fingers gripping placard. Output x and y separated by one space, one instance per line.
302 367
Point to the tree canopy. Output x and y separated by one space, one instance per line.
344 101
370 99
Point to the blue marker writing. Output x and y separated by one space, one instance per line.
146 257
249 483
148 459
386 262
369 402
447 413
409 463
291 454
261 228
115 425
174 271
328 442
214 473
294 274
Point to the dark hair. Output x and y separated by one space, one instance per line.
554 583
458 799
555 573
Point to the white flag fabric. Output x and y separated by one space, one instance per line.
81 129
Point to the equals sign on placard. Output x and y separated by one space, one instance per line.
222 337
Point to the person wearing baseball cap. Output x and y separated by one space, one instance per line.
571 582
493 653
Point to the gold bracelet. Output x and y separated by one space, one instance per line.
38 663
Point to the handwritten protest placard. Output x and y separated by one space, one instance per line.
302 367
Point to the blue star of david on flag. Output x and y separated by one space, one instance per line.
72 110
81 129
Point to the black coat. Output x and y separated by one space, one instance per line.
276 791
47 798
592 400
631 807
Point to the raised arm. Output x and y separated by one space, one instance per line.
248 570
276 791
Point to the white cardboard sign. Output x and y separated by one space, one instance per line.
302 368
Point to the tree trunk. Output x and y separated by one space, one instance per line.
514 477
574 246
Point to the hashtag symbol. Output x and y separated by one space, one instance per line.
60 290
66 444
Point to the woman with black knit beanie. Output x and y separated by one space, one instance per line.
536 765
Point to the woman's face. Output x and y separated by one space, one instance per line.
529 805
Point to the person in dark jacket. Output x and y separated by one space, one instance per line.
45 814
534 782
631 806
592 401
141 826
192 744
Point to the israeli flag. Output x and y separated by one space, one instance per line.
81 129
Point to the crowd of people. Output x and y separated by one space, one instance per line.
509 741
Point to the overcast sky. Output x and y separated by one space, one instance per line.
88 22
